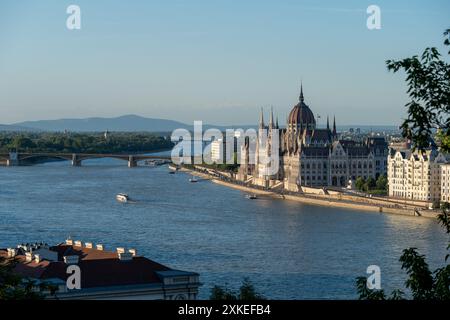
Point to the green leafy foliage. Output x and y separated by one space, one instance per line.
359 183
246 292
428 81
15 287
421 282
115 142
371 185
420 279
230 167
382 183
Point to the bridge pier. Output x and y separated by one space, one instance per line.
131 162
11 163
76 162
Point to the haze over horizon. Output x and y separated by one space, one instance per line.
128 121
320 124
215 61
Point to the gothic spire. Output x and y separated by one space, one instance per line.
301 93
276 125
261 119
271 123
328 123
334 126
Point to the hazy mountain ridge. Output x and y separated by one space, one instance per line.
12 127
122 123
134 123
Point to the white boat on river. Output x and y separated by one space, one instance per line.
122 197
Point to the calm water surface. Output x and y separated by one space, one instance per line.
289 250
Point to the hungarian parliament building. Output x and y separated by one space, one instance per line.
311 156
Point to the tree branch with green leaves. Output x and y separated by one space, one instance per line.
428 80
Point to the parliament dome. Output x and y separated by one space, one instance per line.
301 115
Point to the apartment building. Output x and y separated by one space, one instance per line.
416 175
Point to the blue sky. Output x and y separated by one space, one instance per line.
216 61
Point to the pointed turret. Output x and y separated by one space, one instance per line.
328 123
334 126
271 123
301 98
261 119
276 124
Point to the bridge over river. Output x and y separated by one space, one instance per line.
17 159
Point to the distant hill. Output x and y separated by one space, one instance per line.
11 127
137 123
122 123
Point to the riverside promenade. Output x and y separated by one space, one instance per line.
376 205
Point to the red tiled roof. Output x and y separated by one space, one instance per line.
98 267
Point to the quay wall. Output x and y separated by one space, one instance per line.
334 200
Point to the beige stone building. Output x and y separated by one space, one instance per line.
445 182
416 175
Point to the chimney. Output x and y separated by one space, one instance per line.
71 259
133 252
125 256
78 243
88 245
28 256
99 247
37 258
69 242
120 250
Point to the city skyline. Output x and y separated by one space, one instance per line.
246 154
217 62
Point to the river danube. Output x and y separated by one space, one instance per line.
287 249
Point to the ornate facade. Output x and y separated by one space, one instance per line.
310 156
418 175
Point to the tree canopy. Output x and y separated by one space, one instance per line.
422 283
15 287
115 142
428 81
246 292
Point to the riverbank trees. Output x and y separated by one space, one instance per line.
372 186
117 142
